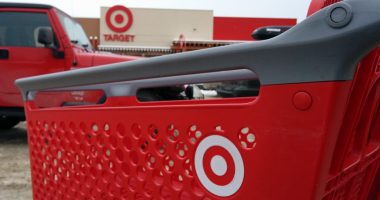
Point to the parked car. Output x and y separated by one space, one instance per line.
39 39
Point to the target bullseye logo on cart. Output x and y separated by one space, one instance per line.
219 165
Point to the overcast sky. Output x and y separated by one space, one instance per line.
232 8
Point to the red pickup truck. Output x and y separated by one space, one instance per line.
39 39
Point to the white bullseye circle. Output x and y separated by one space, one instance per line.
125 18
219 165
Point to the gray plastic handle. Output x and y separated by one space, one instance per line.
129 88
324 47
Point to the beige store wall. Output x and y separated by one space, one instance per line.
159 27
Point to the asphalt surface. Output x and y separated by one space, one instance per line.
15 180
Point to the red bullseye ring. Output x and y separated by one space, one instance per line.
219 165
119 19
216 152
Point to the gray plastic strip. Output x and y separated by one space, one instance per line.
129 88
312 51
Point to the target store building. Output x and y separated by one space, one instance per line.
153 32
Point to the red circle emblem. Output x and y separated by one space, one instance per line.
119 19
219 179
219 165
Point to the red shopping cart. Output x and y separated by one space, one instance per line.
311 133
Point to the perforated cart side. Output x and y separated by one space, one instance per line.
281 144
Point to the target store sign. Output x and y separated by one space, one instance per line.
219 166
118 20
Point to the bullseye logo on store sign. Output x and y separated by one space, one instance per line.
219 166
119 19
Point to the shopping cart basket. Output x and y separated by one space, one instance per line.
281 144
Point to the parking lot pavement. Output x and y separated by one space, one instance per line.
15 178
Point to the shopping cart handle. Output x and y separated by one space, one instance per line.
324 47
130 88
